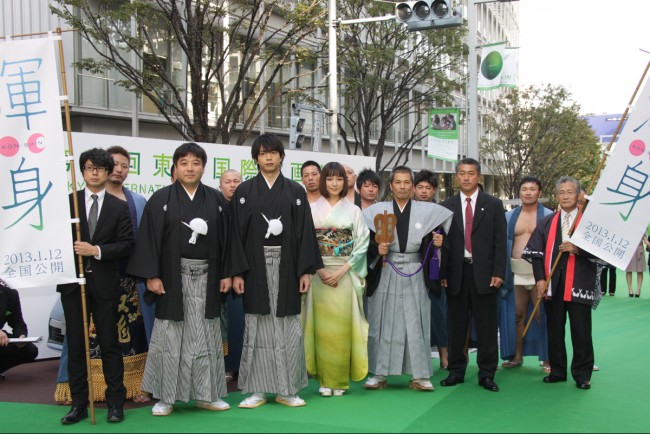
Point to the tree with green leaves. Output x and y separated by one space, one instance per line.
237 54
390 78
538 131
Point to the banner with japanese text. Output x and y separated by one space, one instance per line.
36 247
151 161
443 138
619 208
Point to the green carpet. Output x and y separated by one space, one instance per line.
617 401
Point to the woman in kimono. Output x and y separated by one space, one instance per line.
335 328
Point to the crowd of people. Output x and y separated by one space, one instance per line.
270 282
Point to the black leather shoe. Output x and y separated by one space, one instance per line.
115 415
584 385
75 415
488 384
452 380
553 379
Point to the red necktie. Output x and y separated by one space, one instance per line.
469 221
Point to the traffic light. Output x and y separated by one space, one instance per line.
430 14
296 125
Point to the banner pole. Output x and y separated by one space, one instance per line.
75 202
589 191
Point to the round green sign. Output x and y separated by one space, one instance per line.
491 65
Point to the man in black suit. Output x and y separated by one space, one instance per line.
10 313
106 237
474 271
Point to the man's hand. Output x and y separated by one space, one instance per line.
305 283
4 339
496 281
568 248
225 285
155 285
541 287
383 248
437 240
85 249
238 284
443 282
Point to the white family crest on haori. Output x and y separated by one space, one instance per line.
275 226
418 225
199 227
298 202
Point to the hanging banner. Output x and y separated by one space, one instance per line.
619 208
443 134
491 68
510 72
36 232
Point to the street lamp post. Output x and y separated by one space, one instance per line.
472 110
333 81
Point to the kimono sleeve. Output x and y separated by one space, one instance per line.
361 236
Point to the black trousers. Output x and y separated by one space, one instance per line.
483 309
580 325
105 318
11 355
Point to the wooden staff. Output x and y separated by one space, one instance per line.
75 203
385 230
590 189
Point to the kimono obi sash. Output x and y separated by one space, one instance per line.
404 258
334 241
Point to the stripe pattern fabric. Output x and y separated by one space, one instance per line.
185 359
273 357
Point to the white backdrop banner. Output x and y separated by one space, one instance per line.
619 210
151 160
36 247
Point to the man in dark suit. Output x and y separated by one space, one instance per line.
10 313
106 237
474 271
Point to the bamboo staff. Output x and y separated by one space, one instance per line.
75 203
590 189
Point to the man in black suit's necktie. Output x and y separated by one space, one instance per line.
106 237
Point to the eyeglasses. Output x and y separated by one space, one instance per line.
93 168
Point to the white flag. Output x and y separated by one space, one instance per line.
36 232
619 209
492 65
510 67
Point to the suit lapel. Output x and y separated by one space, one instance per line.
479 210
83 218
458 214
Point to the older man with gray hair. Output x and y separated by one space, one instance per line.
571 289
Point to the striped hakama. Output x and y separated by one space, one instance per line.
185 358
273 357
399 313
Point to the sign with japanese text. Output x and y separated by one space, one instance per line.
443 134
36 247
619 209
151 160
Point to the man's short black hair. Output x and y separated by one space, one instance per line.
307 164
368 175
471 161
190 148
270 142
529 178
99 157
426 176
119 150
